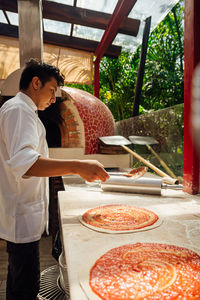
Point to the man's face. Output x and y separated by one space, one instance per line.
47 94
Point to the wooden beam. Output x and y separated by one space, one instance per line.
85 17
9 30
77 43
122 9
192 57
76 15
62 41
10 5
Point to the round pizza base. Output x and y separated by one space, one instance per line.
84 277
84 273
103 230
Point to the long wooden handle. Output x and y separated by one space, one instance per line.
169 171
167 179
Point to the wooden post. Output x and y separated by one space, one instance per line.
192 57
30 30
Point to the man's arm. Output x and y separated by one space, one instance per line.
90 170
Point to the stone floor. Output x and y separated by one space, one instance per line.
46 260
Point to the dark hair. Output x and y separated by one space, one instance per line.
42 70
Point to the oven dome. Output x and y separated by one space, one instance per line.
85 119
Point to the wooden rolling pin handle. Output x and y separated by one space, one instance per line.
170 180
167 179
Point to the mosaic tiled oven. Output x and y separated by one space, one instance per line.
85 118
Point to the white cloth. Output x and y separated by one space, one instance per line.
23 200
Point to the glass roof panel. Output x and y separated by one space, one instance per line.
13 18
88 33
2 17
142 10
157 9
57 27
127 42
106 6
66 2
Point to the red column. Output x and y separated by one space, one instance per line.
192 57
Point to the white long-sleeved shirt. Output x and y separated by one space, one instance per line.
23 200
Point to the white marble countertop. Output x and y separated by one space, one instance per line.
181 224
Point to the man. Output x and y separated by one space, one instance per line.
24 168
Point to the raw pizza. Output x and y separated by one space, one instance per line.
144 271
120 219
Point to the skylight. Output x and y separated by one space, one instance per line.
88 33
13 18
2 17
66 2
57 27
106 6
141 10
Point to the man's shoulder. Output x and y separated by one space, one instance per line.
14 103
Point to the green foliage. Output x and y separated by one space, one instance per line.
117 83
85 87
163 79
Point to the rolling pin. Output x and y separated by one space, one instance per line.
142 185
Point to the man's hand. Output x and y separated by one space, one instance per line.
92 170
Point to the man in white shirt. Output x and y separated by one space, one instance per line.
24 168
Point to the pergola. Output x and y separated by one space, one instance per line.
102 27
120 21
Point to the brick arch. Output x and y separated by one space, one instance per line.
72 129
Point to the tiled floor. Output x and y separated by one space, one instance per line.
46 260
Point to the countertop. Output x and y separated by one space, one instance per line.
180 226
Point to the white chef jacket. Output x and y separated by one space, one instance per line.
23 200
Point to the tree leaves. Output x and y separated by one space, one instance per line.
163 83
163 78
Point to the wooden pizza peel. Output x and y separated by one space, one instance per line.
148 141
118 140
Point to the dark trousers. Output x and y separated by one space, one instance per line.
23 280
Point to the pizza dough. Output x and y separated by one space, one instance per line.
136 173
120 219
143 271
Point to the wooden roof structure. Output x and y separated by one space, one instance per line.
74 15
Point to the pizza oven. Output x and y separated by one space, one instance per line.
84 119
